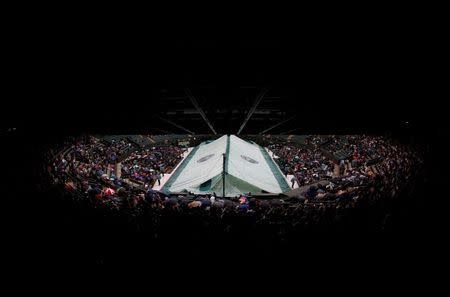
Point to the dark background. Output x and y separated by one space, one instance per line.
374 84
373 81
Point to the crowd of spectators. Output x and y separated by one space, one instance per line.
306 165
360 148
317 140
149 164
112 174
88 172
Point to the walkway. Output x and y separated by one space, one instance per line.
166 176
289 176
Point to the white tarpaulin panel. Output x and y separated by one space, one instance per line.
204 163
247 162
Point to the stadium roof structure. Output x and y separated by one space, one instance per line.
243 166
234 87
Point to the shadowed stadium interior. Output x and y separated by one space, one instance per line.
225 146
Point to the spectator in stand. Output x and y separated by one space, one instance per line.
158 178
293 180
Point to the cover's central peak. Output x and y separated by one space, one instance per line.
247 168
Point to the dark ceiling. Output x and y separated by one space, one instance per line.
167 86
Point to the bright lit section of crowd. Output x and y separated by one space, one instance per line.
338 178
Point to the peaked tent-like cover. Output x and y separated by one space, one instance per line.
247 168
